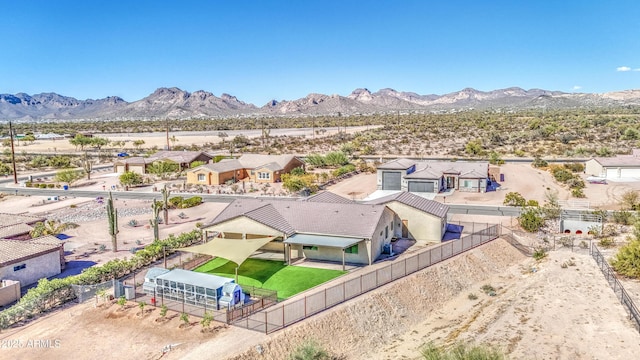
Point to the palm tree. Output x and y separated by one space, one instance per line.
50 227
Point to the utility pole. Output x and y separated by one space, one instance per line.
13 155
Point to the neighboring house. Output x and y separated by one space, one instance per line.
433 176
28 261
331 228
14 219
140 164
620 166
417 218
16 232
256 167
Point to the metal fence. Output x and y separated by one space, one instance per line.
278 317
87 292
617 287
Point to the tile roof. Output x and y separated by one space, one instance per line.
14 251
355 220
437 169
252 161
12 219
328 197
619 161
225 165
415 201
397 164
13 230
181 157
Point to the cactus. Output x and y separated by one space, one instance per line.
112 215
88 167
165 203
156 206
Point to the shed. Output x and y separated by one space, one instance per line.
231 295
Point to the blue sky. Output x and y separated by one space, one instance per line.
263 50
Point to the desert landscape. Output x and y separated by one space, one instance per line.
538 309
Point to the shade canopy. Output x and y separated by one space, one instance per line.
235 250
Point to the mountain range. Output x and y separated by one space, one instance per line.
175 103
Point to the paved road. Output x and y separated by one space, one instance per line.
148 195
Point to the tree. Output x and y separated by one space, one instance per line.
50 227
551 208
206 320
141 305
98 142
68 176
494 158
514 199
5 169
630 200
162 168
112 217
81 141
184 317
474 148
627 261
138 143
531 219
129 178
30 138
122 301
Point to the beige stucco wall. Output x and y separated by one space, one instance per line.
36 268
9 292
140 169
592 167
422 226
335 254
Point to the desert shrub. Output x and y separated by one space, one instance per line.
532 203
565 241
630 200
460 352
310 350
538 162
472 296
531 219
577 193
561 174
623 217
344 170
539 253
627 261
574 167
298 171
191 202
606 242
514 199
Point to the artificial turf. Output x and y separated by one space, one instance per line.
272 275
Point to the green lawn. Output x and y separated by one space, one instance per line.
273 275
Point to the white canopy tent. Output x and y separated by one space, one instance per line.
234 250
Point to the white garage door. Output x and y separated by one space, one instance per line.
120 168
629 173
613 173
137 169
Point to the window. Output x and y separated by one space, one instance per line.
19 267
264 175
200 177
386 232
392 225
352 249
306 247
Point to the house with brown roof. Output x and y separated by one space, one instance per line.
139 164
329 227
256 168
617 167
28 261
433 176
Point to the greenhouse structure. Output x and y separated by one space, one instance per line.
190 287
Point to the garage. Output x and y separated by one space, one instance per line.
391 180
120 168
629 173
418 186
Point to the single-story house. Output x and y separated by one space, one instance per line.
417 218
620 166
7 219
257 168
28 261
433 176
329 227
140 164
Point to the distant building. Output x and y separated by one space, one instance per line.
254 167
433 176
616 167
140 164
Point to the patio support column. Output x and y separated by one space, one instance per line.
342 259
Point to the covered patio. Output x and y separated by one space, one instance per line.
314 242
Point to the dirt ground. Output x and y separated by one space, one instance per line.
540 311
